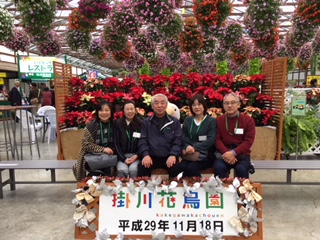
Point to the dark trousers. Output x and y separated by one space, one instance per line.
241 168
192 169
159 163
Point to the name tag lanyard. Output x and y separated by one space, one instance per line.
198 127
227 125
129 136
102 132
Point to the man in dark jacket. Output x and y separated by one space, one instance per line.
15 94
161 140
15 98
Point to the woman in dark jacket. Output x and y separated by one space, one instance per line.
98 137
126 142
199 135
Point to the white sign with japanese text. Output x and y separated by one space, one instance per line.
144 212
37 67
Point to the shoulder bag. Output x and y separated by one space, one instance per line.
35 101
98 161
196 156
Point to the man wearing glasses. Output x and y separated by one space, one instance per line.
235 136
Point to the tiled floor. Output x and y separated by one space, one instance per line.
44 212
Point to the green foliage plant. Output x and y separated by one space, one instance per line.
300 133
255 66
222 68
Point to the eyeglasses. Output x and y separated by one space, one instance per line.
230 103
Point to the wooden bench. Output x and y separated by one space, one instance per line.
288 165
51 165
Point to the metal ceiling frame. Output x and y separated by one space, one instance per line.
61 22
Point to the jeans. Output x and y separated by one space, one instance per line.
129 170
241 168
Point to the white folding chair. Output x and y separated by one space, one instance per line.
52 127
43 109
29 122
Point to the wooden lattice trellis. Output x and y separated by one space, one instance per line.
276 72
62 76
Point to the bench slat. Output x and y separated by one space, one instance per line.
38 164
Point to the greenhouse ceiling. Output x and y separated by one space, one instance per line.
61 23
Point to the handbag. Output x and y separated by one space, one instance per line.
35 101
190 157
98 161
196 156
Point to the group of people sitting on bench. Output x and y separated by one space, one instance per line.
159 141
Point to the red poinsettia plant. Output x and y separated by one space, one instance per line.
179 89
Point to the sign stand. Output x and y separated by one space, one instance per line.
298 109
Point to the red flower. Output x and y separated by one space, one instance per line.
118 115
183 92
111 82
201 90
224 90
160 80
268 115
248 90
162 90
176 79
76 82
258 78
195 79
225 80
127 83
146 79
214 96
264 98
210 79
136 92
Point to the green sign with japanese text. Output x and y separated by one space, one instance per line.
37 68
299 105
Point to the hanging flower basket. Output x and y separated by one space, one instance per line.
305 53
172 49
316 43
62 3
112 41
78 40
80 22
94 9
37 17
191 38
6 25
173 28
96 49
211 12
51 46
309 10
261 17
20 41
134 62
124 54
122 19
156 12
233 34
144 46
